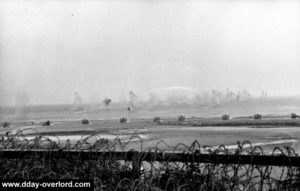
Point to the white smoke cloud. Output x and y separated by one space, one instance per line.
133 98
172 96
78 103
22 100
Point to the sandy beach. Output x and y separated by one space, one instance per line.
170 132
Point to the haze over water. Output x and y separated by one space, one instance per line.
273 106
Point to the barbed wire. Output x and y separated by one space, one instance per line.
166 175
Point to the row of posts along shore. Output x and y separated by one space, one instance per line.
156 119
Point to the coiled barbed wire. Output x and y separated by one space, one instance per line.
117 175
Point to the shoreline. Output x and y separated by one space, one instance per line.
75 127
269 122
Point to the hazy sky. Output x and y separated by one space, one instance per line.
51 49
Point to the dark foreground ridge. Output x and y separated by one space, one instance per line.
113 167
136 156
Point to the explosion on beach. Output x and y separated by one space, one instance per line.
78 103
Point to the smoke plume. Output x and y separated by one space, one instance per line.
22 101
107 101
132 99
78 103
187 96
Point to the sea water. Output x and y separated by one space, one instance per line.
271 106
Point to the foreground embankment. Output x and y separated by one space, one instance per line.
110 169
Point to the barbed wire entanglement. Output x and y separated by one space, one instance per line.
111 173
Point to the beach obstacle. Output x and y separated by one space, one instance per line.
6 124
257 116
123 120
225 117
294 115
47 123
181 118
156 119
85 121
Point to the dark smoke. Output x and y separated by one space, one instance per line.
107 101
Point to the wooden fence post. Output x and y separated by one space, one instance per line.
136 164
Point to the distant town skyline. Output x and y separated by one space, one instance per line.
103 49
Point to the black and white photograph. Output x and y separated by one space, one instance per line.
150 95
